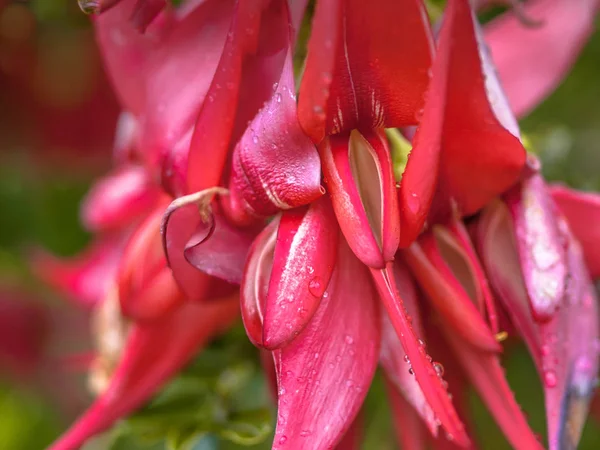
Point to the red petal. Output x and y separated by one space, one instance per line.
462 143
304 258
87 277
565 348
251 63
145 11
119 198
410 432
582 210
351 82
358 172
541 249
451 286
353 437
529 72
255 282
396 362
487 376
324 374
154 352
430 382
275 166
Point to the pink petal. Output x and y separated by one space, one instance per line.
462 151
119 199
358 173
432 385
154 352
251 62
410 431
303 261
541 249
351 82
582 210
85 278
145 11
528 71
324 374
275 166
452 293
396 362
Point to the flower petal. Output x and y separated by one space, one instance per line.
324 374
410 432
154 352
540 245
582 210
452 296
351 82
358 173
529 73
275 166
119 199
462 154
303 261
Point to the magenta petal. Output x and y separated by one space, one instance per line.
221 251
528 71
119 198
409 429
540 245
394 359
153 353
582 210
304 259
275 165
324 374
255 282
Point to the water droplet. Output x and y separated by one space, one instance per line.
282 440
550 379
545 350
316 356
278 97
89 6
316 287
305 433
439 369
411 371
406 359
421 343
413 202
310 269
255 139
275 85
325 294
429 358
349 340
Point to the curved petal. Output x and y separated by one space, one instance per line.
152 354
528 71
275 166
462 154
324 374
118 199
351 82
453 297
410 431
304 258
541 248
359 175
582 210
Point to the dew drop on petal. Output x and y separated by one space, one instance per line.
282 440
349 340
316 287
89 6
439 368
550 379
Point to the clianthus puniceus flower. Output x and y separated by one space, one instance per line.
226 176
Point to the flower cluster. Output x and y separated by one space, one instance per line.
242 185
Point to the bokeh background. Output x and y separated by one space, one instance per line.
57 117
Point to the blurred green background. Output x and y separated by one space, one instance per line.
57 116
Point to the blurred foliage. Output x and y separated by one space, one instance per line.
220 402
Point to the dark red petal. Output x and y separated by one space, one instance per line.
453 297
351 82
119 199
154 352
396 362
529 73
358 173
303 261
353 437
255 282
582 210
85 278
324 374
275 166
250 64
486 374
462 151
541 248
432 385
